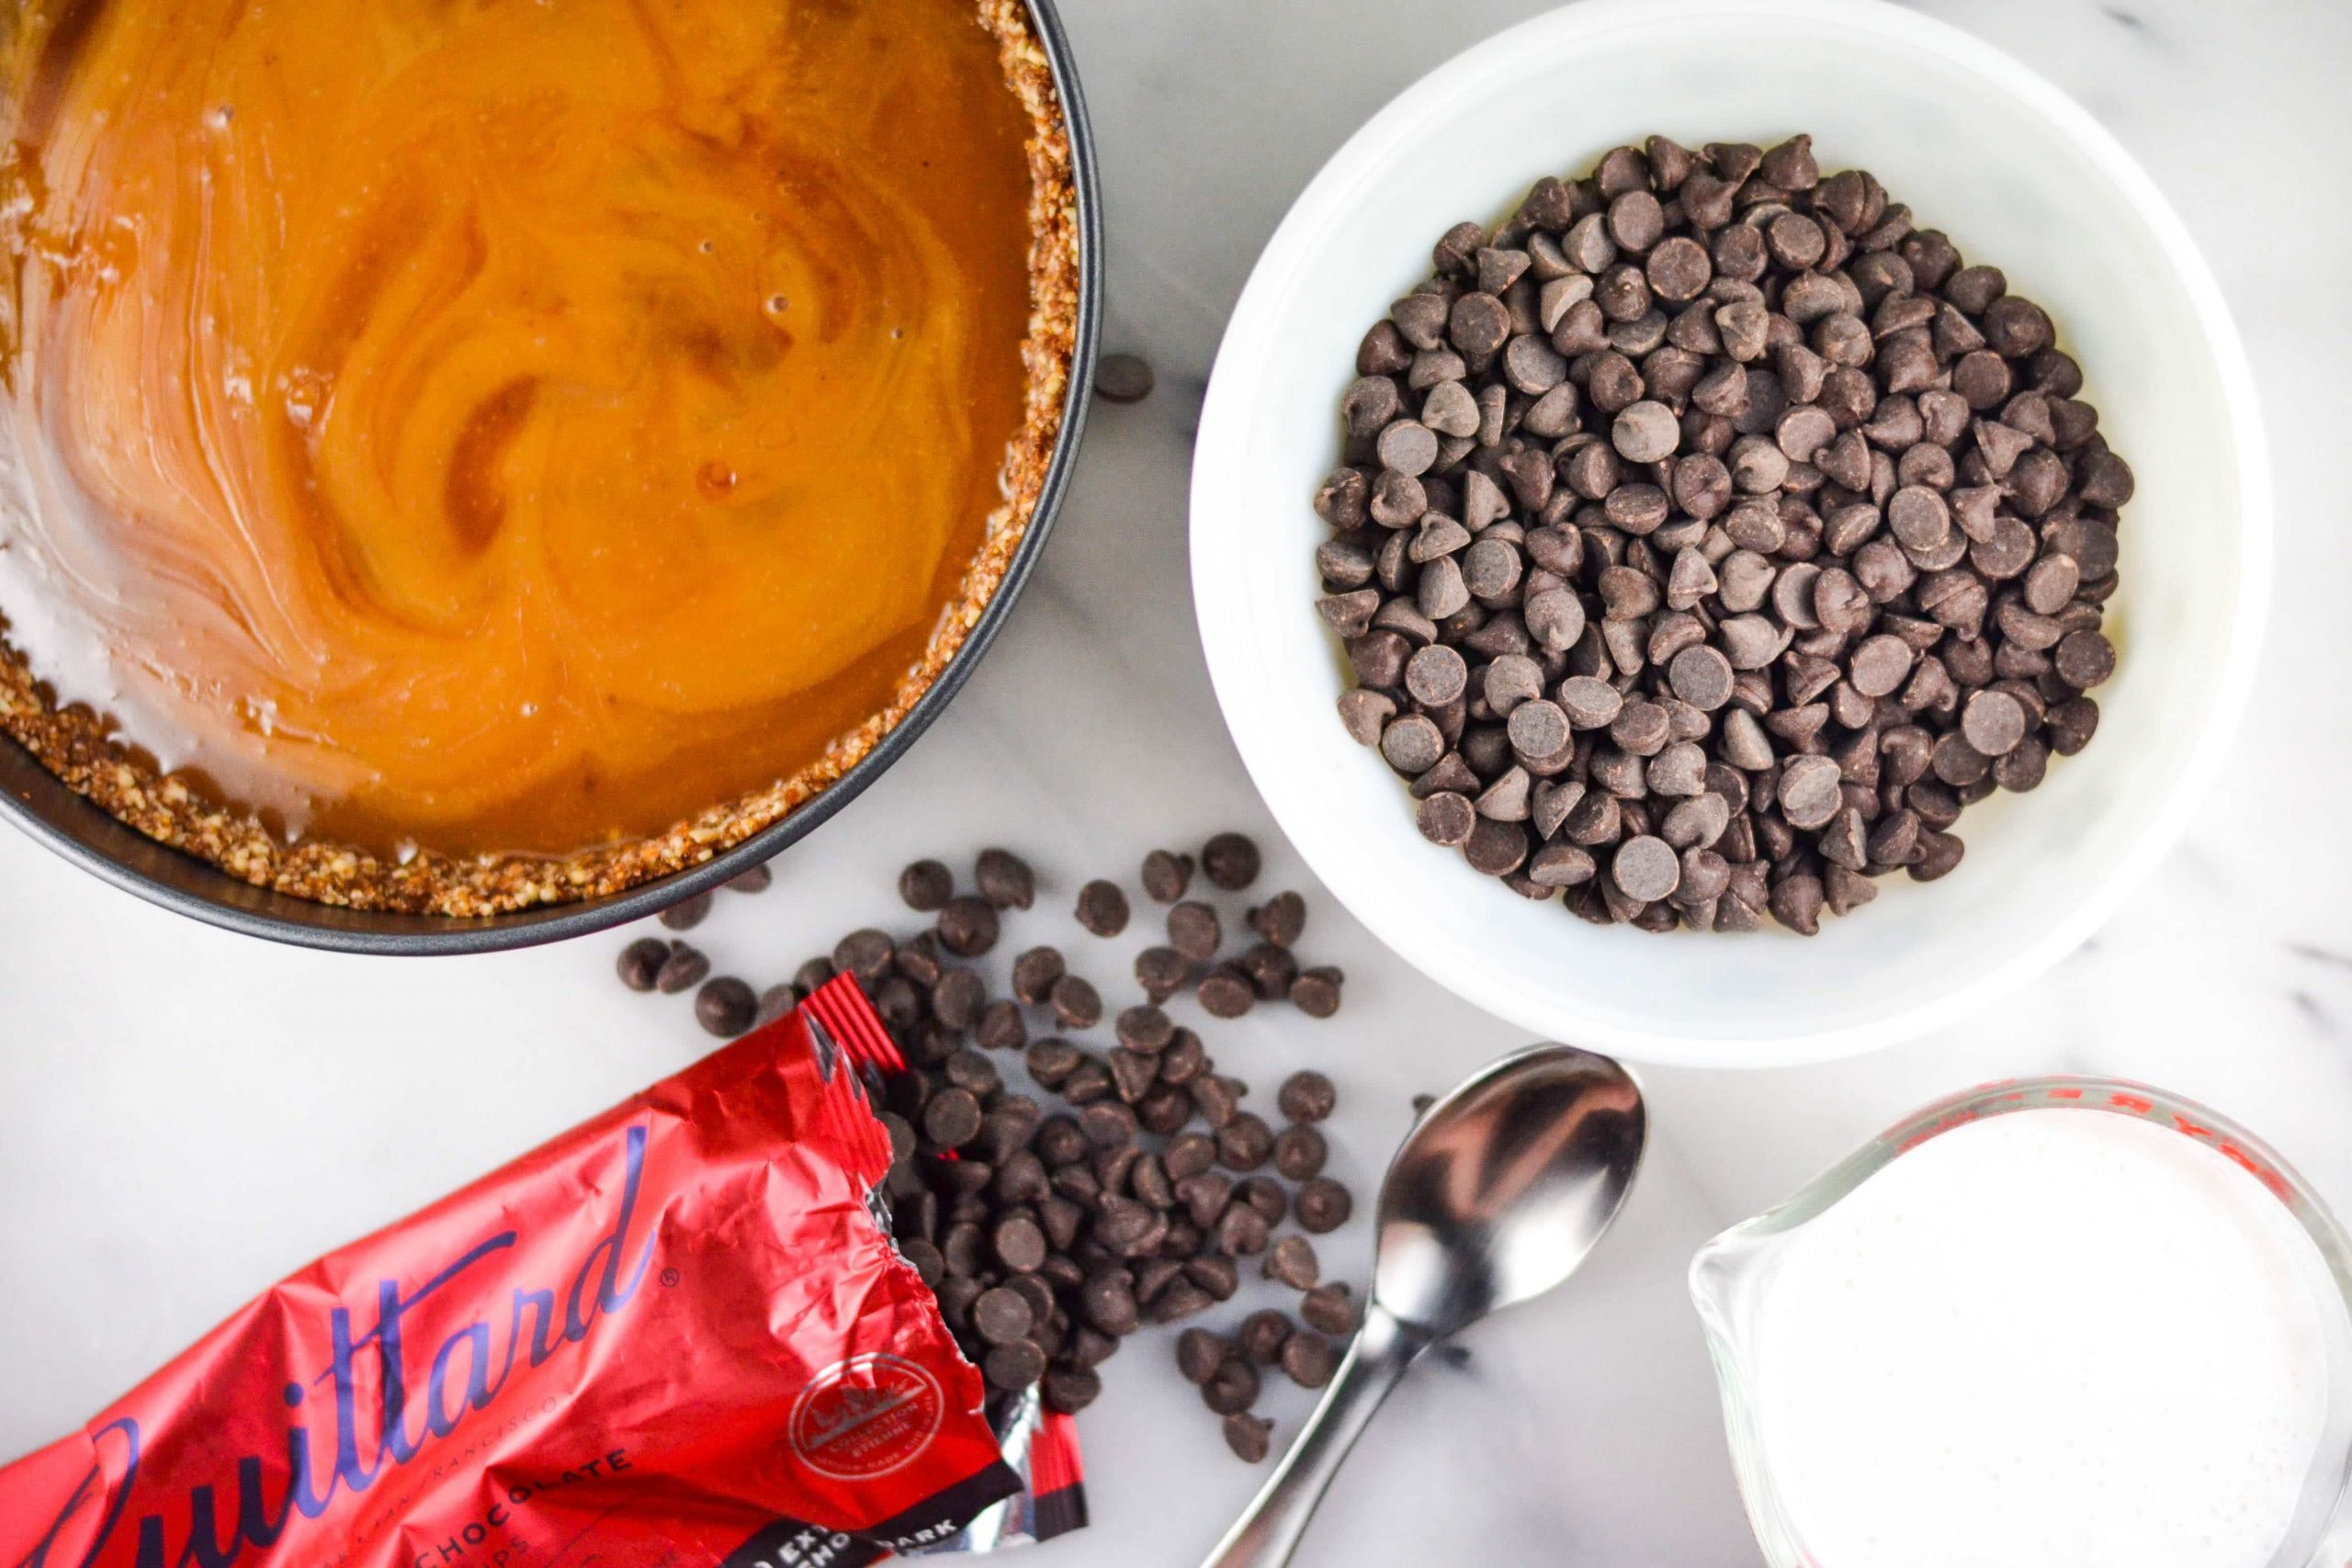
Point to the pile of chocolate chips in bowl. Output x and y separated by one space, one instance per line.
1709 536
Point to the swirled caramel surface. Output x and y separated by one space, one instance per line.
500 425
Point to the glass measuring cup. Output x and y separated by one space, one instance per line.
1731 1274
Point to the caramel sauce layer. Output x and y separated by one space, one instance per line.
501 425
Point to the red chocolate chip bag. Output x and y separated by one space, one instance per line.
674 1337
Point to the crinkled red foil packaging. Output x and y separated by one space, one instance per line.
676 1335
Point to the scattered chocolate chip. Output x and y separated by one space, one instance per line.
1307 1096
683 970
642 961
1166 874
1122 379
967 926
1102 909
1323 1205
1250 1436
1309 1359
1005 880
726 1006
926 885
1231 860
1194 930
687 913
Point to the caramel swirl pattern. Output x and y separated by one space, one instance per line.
500 425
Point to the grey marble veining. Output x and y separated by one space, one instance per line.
185 1115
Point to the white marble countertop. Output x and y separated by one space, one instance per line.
185 1115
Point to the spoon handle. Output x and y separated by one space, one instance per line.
1270 1530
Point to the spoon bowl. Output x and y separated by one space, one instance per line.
1501 1190
1497 1195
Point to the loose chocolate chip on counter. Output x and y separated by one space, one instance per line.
1166 874
1292 1261
1309 1359
1070 1389
1316 992
726 1006
1162 972
1005 879
756 879
1200 1354
1102 909
1323 1205
1034 975
952 1119
1122 379
1194 930
1245 1141
1015 1367
1233 1387
1224 994
1250 1436
926 885
1264 1335
687 913
1002 1316
1329 1309
1076 1003
642 961
1231 860
684 969
967 926
1300 1152
1307 1096
777 1000
1281 919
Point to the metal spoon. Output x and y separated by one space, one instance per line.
1499 1191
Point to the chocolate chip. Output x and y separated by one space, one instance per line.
1015 1367
1225 994
1005 880
1329 1309
1292 1261
1316 992
1102 909
1194 930
1200 1355
1262 1336
687 913
1231 860
1300 1152
1307 1096
926 885
726 1007
1309 1359
1076 1003
1250 1436
684 969
967 926
1002 1316
1166 874
1122 379
640 962
1322 1205
1233 1387
1035 974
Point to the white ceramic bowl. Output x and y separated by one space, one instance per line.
2020 177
